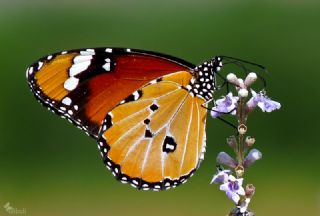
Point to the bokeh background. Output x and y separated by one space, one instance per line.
49 167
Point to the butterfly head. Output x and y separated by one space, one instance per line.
203 82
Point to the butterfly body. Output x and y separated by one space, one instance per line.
144 109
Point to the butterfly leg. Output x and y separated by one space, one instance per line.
221 119
225 82
227 122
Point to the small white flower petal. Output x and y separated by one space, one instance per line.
254 94
232 178
218 179
225 186
240 181
233 196
221 177
241 191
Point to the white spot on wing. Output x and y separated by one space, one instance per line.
78 68
87 52
169 146
106 66
153 81
71 83
157 186
30 70
136 95
109 50
67 101
40 64
82 58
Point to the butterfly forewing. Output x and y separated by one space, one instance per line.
84 85
156 139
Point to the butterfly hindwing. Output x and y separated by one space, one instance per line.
156 138
84 85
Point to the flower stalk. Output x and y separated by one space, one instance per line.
240 106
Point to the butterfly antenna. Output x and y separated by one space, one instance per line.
240 62
245 61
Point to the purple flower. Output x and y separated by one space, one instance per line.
252 157
225 105
233 188
261 100
221 177
225 159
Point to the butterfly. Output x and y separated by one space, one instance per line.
146 110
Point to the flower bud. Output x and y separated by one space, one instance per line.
250 141
225 159
250 189
251 78
232 142
252 157
232 78
239 171
241 83
243 92
242 129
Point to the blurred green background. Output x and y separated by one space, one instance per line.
49 167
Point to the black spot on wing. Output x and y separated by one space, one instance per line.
169 144
148 134
108 121
146 121
154 107
134 96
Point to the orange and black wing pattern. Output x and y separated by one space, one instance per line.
155 139
84 85
145 109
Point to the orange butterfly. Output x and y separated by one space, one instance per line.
145 109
